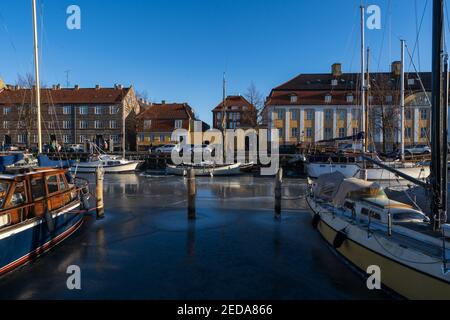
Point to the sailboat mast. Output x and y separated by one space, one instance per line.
224 92
402 101
362 80
366 136
439 148
37 86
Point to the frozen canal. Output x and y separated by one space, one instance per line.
147 249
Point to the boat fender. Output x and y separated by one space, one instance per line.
315 221
85 201
49 221
341 236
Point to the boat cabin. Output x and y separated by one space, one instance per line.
27 196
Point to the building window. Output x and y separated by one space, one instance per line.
341 132
328 114
51 125
83 124
67 110
82 139
328 133
66 138
370 99
280 133
408 115
51 110
5 124
112 124
141 137
115 138
334 82
218 115
349 98
280 115
328 98
162 138
178 124
147 124
423 132
355 114
22 138
294 99
342 115
66 124
423 114
84 110
309 132
98 110
6 110
411 82
97 124
113 109
408 133
294 132
294 114
355 131
309 115
389 99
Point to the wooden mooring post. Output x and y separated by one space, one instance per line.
191 193
278 192
99 176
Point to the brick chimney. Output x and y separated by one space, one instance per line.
97 87
396 68
76 87
336 69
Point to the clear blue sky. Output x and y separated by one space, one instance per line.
177 50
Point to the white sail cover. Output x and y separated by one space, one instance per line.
335 188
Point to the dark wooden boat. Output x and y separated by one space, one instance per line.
38 210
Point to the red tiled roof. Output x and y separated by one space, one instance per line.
65 96
169 111
235 101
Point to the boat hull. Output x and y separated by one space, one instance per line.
122 168
315 170
27 241
229 170
397 276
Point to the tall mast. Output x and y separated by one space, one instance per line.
402 101
224 97
366 136
37 86
439 148
362 80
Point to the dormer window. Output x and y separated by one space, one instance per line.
328 98
294 98
334 82
349 98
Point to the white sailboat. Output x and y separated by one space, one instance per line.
110 164
370 230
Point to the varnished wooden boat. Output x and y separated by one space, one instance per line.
38 210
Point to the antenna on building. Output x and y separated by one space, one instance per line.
67 72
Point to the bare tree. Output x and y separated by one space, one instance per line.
257 100
27 81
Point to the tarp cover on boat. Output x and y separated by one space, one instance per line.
44 161
335 188
10 159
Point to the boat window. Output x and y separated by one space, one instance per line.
365 211
375 215
5 220
407 215
349 205
62 183
52 184
19 197
37 188
4 187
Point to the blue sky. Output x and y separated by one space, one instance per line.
177 50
